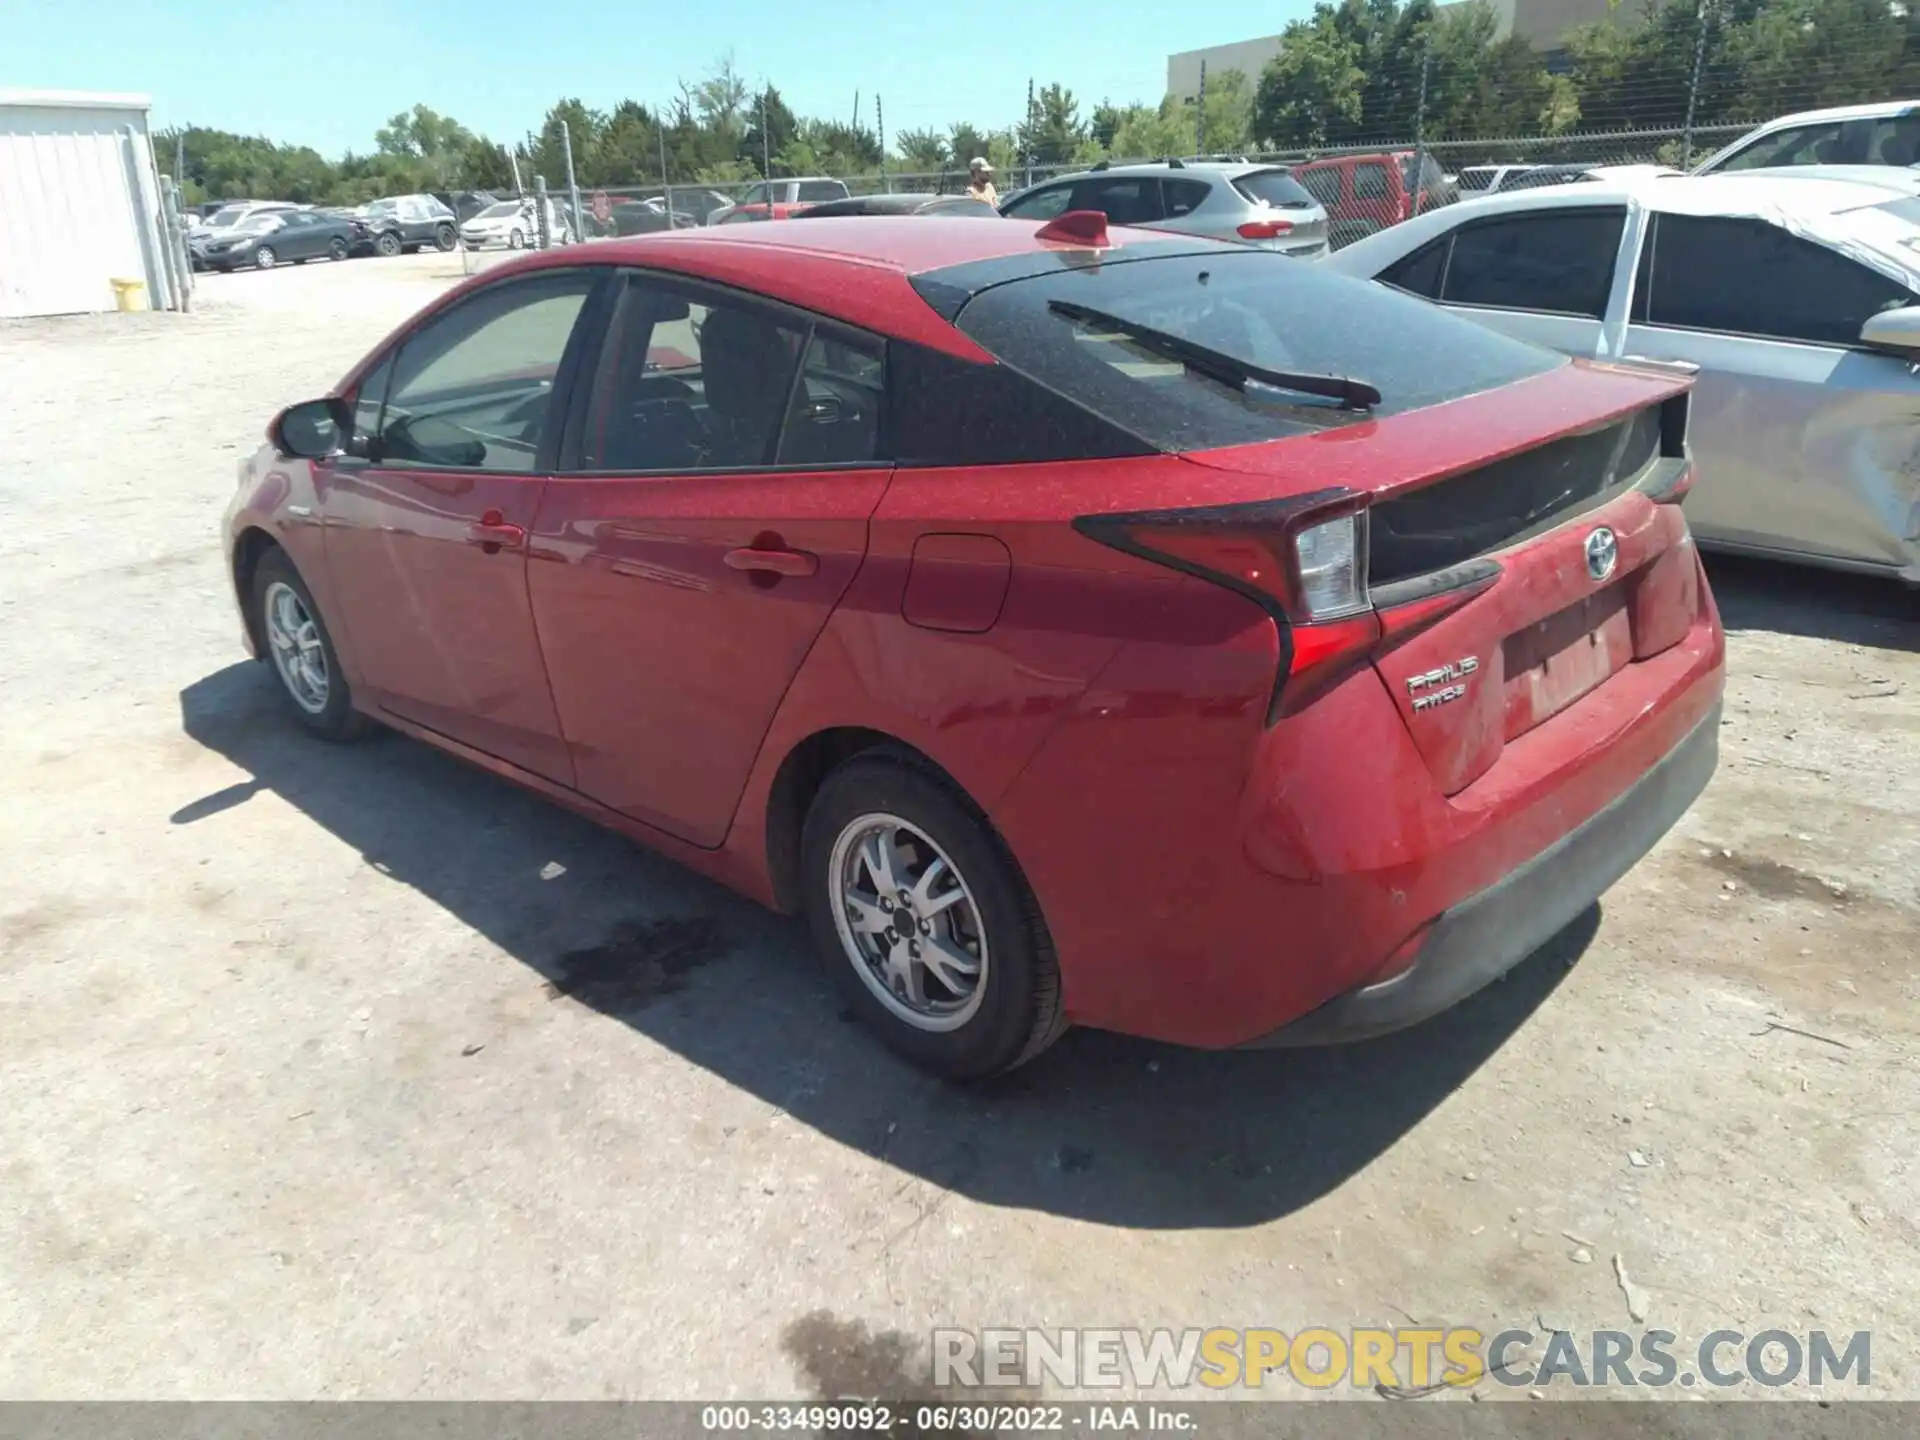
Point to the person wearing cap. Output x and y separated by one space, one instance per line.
980 181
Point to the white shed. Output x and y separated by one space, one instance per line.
79 202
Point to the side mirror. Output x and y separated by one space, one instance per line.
312 430
1897 330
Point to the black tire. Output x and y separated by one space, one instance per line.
301 261
387 244
409 249
337 719
1020 1013
444 239
336 249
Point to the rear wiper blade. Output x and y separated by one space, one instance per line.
1229 370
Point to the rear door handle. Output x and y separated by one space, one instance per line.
492 533
771 562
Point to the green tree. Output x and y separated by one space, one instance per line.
1151 133
782 128
1053 130
921 150
964 142
1228 114
1310 93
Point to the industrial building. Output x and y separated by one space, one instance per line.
80 204
1543 24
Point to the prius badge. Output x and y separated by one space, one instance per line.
1442 685
1603 553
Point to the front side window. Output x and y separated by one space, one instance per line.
822 190
1040 204
835 415
472 388
1370 181
1557 262
1748 277
686 382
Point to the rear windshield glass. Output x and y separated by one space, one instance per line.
1276 187
1248 306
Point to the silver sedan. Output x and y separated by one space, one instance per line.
1796 300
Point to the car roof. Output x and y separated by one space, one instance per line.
858 268
1205 169
1737 192
1874 111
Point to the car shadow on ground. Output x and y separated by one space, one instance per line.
1101 1128
1819 604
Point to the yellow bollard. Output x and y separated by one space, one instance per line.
129 295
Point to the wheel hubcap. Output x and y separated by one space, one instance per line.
298 653
908 923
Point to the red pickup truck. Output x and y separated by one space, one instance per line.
777 199
1365 193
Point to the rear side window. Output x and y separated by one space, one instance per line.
1801 145
1276 188
1476 179
822 190
1134 200
1420 272
1752 278
1322 184
1559 262
1253 308
1183 197
1370 181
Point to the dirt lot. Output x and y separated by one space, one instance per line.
355 1072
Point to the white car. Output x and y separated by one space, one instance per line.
1883 134
1797 300
510 223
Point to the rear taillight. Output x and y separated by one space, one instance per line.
1304 561
1265 229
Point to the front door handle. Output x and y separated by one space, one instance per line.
492 533
771 562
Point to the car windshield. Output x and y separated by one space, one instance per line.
500 211
1187 323
259 224
1276 188
226 215
756 195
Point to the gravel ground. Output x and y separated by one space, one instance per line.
355 1072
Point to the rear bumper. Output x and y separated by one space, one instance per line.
1478 940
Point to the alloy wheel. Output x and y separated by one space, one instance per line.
299 655
908 922
264 257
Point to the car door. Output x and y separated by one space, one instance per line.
1807 441
302 236
1541 275
426 520
720 469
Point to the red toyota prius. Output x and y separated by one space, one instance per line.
1077 627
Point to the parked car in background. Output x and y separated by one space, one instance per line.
1250 204
899 204
277 237
1883 134
465 204
402 224
1537 177
777 199
649 216
1797 299
227 222
1010 614
505 222
1487 179
1365 193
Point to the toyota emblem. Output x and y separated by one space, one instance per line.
1603 553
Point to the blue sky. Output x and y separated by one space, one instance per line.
328 73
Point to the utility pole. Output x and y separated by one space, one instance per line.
880 124
1200 113
856 109
573 187
766 143
666 186
1027 138
1420 127
180 157
1693 85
